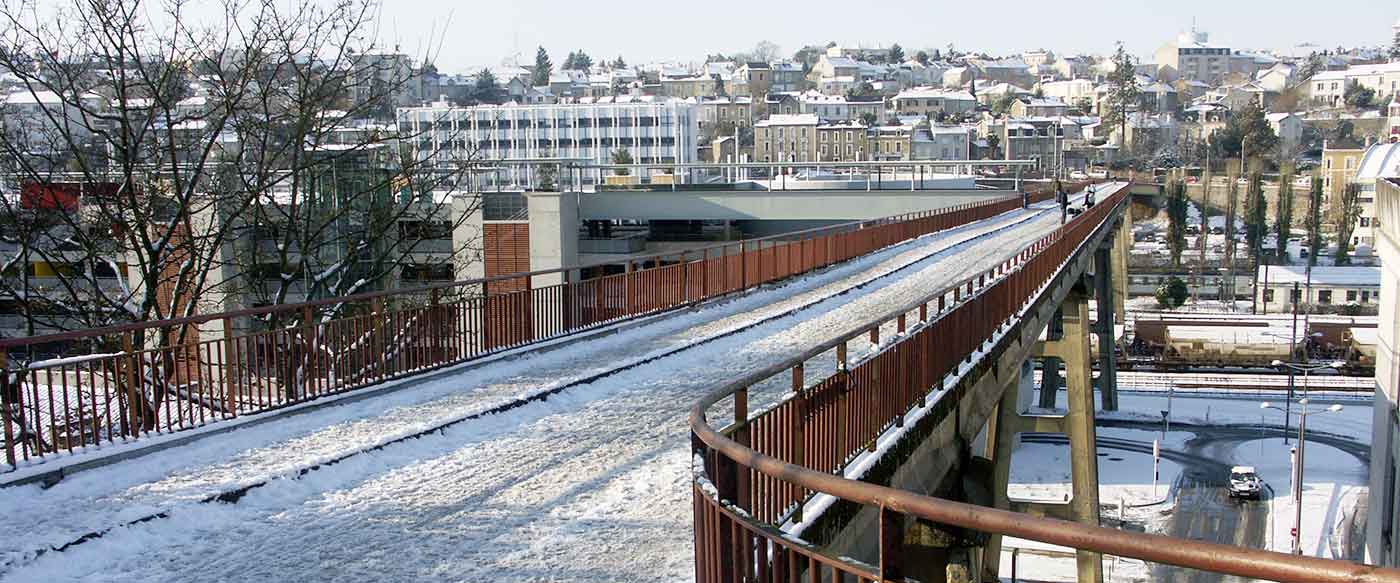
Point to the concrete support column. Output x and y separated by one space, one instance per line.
1079 427
1122 243
1104 294
1002 431
554 225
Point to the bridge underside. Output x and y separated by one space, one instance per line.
963 451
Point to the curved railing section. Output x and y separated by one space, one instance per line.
753 476
128 382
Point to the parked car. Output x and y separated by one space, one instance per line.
1244 483
1077 175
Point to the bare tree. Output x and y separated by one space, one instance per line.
143 147
1348 212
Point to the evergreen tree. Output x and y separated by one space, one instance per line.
921 57
543 68
487 89
1176 220
619 63
1124 91
1313 222
896 54
1256 218
1283 215
1395 48
569 60
935 55
582 62
1248 131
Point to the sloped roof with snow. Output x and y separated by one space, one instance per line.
1324 275
1380 161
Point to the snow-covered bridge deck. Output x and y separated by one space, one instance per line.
591 484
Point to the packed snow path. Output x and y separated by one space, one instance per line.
589 485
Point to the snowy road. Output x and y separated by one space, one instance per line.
589 485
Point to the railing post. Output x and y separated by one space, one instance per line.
685 278
705 275
135 418
627 290
741 435
377 332
799 428
891 544
5 409
308 348
875 335
230 388
568 299
841 356
435 324
900 324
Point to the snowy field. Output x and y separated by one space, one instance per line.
589 485
1334 480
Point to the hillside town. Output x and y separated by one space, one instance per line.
280 300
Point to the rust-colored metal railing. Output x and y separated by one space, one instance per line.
755 475
124 383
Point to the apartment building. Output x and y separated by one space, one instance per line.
925 101
840 107
1038 107
1382 512
842 141
1340 161
714 111
786 138
1191 56
653 130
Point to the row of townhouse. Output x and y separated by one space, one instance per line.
808 138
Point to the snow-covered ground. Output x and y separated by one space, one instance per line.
1334 479
589 485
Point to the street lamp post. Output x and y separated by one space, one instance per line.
1303 413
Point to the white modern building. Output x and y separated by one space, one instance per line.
652 130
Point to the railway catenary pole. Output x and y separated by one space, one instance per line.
1292 348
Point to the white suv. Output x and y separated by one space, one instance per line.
1244 483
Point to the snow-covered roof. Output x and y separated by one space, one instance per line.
1358 276
931 93
788 119
1231 334
1380 161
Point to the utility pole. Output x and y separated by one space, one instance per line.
1292 353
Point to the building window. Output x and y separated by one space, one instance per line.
1351 295
1324 296
1269 296
1294 295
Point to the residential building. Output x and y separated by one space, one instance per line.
1340 161
842 141
786 138
842 108
1328 88
1288 127
1193 57
1382 511
944 142
1147 132
1037 57
958 77
753 79
1392 133
784 103
835 66
927 102
1039 107
1072 91
786 76
720 111
694 85
1277 78
1010 71
1029 138
1331 287
653 130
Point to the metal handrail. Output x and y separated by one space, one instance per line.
6 343
1150 547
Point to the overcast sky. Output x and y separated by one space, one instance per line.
469 34
480 32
